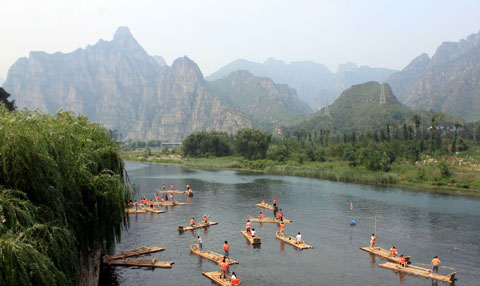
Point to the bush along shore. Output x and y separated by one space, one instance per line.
363 161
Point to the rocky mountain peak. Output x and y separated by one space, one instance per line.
346 67
419 63
186 68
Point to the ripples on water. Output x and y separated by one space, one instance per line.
419 224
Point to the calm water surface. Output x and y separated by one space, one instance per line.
419 224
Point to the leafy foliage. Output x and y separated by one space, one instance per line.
63 194
204 143
252 144
4 99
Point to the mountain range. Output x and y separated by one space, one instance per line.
367 106
119 85
314 82
449 81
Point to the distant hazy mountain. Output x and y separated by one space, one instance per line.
118 84
363 107
448 82
269 104
314 82
160 61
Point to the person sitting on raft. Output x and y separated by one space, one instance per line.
205 219
402 261
253 232
263 202
298 238
151 204
136 205
393 251
280 216
192 221
235 280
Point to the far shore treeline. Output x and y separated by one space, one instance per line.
422 152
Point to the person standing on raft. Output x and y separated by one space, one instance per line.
435 263
172 186
205 219
248 226
136 205
275 202
261 215
199 239
164 187
226 249
223 269
282 229
192 221
373 239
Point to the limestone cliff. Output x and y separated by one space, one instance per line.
118 84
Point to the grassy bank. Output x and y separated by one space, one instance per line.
463 177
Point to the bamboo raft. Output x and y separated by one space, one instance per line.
215 277
134 252
210 255
291 240
155 211
171 192
268 220
253 240
140 262
267 206
198 225
171 204
384 254
134 211
419 271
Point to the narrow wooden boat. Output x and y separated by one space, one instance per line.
210 255
134 211
291 240
156 211
419 271
267 206
134 252
253 240
198 225
155 263
268 220
215 277
171 192
166 204
383 253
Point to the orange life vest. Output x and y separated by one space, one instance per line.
275 201
263 202
402 260
224 266
192 221
374 238
151 202
226 247
282 227
205 219
261 216
435 261
393 250
235 281
172 187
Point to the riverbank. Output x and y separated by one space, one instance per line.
463 177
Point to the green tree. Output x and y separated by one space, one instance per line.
206 143
252 144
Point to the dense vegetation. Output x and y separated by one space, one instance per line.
4 99
62 194
443 155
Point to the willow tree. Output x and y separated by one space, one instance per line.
62 194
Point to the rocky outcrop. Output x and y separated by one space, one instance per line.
267 103
119 85
449 82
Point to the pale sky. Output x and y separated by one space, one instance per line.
378 33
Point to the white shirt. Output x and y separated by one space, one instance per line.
253 233
199 240
233 276
299 237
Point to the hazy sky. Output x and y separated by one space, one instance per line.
379 33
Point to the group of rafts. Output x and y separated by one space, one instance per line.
402 264
251 236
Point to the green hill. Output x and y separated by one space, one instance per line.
368 106
267 103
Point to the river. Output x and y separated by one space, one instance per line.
418 223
